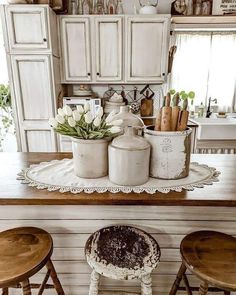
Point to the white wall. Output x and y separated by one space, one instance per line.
163 6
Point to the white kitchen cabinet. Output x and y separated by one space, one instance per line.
27 27
109 48
147 47
35 103
75 47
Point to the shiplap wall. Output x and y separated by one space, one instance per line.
70 227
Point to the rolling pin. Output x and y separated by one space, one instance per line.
158 117
166 114
183 117
175 112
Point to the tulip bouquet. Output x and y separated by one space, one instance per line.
80 123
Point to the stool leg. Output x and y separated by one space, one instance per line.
178 279
94 283
53 275
203 288
146 285
5 291
26 287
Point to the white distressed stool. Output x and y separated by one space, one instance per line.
123 253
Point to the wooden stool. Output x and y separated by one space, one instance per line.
211 256
23 252
123 253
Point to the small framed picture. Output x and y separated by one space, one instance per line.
222 7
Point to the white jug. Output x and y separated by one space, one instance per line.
148 8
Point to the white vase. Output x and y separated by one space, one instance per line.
129 156
90 157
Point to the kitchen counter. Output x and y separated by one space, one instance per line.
12 192
70 219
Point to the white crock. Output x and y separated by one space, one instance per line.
90 157
170 153
128 118
129 157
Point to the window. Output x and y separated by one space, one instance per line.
205 62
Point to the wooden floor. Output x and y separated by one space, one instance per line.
70 226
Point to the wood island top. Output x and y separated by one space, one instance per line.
13 192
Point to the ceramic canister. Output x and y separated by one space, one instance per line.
128 118
129 157
90 157
170 153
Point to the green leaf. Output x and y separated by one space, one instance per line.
191 94
184 96
172 91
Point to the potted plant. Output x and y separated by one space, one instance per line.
6 115
90 138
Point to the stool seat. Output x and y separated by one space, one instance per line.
211 256
122 252
23 252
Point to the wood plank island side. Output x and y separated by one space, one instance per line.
13 192
164 217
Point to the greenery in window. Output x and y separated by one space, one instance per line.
6 115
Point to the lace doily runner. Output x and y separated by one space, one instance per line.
59 175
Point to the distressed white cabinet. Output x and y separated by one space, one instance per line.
114 49
31 28
31 45
147 47
33 85
76 49
109 48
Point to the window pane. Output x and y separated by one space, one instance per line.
222 73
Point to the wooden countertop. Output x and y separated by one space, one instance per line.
13 192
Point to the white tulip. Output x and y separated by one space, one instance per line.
115 129
71 122
67 110
80 109
109 118
86 107
100 112
53 122
97 121
88 117
61 112
116 122
76 115
60 119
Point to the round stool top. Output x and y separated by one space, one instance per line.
211 256
122 252
23 252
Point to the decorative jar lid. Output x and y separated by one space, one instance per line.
130 141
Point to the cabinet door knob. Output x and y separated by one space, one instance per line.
89 74
98 74
44 40
163 74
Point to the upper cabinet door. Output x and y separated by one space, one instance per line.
75 43
147 48
109 47
27 27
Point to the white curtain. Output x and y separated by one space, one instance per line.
205 62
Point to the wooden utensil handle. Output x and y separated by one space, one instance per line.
183 120
166 119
